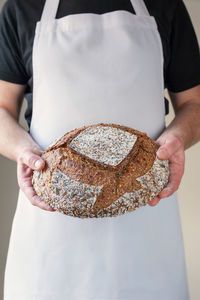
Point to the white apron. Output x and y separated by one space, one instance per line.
91 68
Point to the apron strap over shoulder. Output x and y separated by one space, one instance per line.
49 10
140 7
51 6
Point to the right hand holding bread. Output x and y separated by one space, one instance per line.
29 160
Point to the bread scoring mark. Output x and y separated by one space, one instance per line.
155 178
104 144
151 184
126 181
53 143
71 194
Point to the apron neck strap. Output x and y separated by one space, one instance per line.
51 6
49 10
140 7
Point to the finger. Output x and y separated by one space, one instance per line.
154 201
172 145
32 160
35 199
25 170
175 176
25 183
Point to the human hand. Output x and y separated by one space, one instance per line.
171 148
26 163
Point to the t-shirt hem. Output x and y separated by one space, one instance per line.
11 78
187 85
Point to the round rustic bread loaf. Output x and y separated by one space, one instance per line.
100 170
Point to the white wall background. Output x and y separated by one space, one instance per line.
188 194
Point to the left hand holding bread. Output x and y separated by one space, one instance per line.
171 148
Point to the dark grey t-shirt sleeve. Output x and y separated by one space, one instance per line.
183 71
12 68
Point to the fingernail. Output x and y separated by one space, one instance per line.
38 163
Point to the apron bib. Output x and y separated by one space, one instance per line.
90 68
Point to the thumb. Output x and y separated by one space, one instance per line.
170 146
32 160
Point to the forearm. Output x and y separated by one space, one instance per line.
185 125
13 138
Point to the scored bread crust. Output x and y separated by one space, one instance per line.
98 189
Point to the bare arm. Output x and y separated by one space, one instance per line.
186 124
15 141
13 138
182 133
